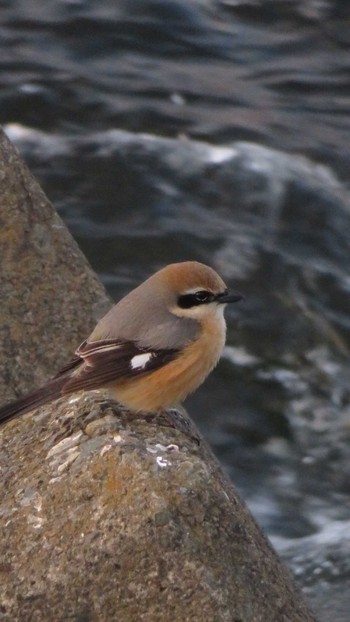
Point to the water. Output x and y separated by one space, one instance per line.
218 131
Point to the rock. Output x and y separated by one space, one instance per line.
104 515
136 523
50 297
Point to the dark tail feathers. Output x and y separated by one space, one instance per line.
48 393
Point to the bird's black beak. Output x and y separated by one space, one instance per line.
226 297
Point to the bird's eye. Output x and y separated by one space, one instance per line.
186 301
202 296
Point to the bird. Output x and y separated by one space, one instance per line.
152 349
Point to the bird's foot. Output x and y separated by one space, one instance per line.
178 419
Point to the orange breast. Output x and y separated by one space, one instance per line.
173 382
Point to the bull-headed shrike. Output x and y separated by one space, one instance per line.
152 349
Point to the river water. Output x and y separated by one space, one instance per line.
218 131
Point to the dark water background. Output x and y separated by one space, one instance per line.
234 151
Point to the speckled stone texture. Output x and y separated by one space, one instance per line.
44 279
105 516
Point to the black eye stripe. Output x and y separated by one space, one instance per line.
186 301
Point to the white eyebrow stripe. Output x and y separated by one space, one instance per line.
194 290
139 361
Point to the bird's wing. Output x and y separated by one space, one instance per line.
103 362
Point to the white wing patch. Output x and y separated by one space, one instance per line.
140 360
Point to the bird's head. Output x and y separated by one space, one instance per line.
193 290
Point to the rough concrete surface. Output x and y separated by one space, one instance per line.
44 279
105 516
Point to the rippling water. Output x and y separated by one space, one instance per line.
234 150
276 72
